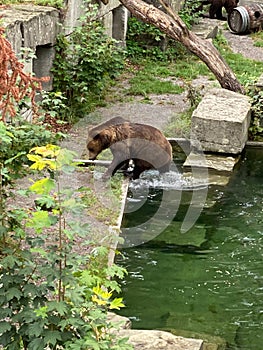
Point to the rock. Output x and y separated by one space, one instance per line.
210 342
119 321
151 339
157 340
220 122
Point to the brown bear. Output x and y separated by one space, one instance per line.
145 145
215 10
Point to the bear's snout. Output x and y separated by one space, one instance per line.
92 155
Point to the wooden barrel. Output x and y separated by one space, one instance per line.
244 19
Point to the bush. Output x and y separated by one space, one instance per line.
16 141
191 12
256 124
146 41
85 63
52 296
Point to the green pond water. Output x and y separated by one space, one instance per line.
207 282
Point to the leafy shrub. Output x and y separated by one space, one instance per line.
145 40
85 62
191 12
256 124
52 296
16 141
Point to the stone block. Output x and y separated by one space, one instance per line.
220 122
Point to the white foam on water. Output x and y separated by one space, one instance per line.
173 180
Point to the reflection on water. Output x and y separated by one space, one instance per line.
208 281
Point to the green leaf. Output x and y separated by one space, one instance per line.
40 219
88 279
45 201
59 306
39 251
10 160
116 304
36 344
41 312
13 293
51 337
8 262
4 327
43 186
36 329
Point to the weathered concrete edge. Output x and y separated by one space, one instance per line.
254 144
116 229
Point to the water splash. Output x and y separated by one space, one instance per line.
172 180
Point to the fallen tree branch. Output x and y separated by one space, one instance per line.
172 25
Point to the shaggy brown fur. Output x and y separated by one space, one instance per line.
215 10
144 144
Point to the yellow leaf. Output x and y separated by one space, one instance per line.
102 293
116 304
52 164
33 158
38 165
47 151
98 301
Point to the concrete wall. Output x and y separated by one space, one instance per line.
34 28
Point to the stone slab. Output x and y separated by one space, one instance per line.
220 122
158 340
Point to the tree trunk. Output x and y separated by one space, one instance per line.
172 25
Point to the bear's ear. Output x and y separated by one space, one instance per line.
93 134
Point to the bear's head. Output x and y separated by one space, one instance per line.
97 142
94 147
